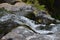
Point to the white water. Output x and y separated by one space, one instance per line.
25 21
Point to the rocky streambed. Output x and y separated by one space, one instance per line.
16 23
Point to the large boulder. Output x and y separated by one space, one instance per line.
11 16
17 7
22 33
5 9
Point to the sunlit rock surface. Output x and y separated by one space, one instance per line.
17 7
22 33
9 1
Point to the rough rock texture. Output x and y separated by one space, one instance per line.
19 8
22 33
8 25
9 1
16 7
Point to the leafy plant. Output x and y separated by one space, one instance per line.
35 3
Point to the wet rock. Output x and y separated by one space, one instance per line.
21 19
46 19
16 17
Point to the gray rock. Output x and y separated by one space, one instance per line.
6 27
22 33
19 6
10 21
9 1
19 33
46 19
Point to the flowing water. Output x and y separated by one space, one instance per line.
25 21
22 20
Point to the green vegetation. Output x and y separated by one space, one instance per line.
53 6
35 3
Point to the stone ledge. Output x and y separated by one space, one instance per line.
22 33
